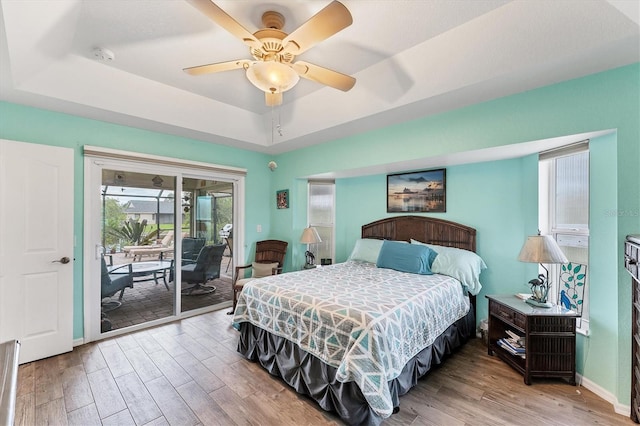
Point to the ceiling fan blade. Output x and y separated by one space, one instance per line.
217 67
273 99
324 76
220 17
333 18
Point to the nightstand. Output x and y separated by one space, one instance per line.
548 336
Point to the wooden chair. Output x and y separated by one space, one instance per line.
268 260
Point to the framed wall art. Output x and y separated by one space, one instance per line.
282 199
417 192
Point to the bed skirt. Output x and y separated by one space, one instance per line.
308 375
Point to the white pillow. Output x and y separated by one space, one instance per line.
366 250
464 265
260 270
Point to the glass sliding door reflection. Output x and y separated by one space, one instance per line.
207 245
138 233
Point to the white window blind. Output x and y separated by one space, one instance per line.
566 216
321 213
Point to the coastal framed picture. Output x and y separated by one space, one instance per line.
417 192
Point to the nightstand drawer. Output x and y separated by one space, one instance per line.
519 320
509 315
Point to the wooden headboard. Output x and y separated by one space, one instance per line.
424 229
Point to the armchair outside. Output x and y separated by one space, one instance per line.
110 284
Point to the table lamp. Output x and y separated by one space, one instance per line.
541 249
310 236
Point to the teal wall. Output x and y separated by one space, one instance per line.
26 124
499 198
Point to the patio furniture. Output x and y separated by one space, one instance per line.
226 230
191 248
111 283
229 240
205 268
165 243
146 271
160 252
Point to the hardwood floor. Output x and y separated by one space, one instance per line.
188 373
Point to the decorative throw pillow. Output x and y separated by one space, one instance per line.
259 270
366 250
405 257
464 265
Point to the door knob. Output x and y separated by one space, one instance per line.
63 260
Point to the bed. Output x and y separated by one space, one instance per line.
355 337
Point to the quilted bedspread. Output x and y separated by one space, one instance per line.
365 321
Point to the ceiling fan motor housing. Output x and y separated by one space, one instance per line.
271 48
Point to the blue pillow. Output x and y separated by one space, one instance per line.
415 259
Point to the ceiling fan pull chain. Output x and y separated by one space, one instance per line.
272 121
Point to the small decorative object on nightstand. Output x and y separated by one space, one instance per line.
537 342
310 236
541 249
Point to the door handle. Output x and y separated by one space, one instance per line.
63 260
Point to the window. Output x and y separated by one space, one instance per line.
321 213
564 214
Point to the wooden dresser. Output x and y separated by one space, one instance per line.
631 259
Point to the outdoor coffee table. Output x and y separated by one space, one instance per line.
145 271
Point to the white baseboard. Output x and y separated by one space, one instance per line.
619 408
78 342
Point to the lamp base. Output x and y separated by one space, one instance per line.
538 304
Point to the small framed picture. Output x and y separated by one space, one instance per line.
282 199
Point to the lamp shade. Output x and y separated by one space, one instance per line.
541 249
272 76
310 236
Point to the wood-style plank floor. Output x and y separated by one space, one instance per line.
188 373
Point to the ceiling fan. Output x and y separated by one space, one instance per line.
272 69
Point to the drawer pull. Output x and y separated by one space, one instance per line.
505 315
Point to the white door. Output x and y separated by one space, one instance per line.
36 248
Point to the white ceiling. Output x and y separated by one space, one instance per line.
411 58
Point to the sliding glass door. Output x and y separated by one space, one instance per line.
208 208
158 243
138 233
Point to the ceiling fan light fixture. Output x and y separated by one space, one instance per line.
272 76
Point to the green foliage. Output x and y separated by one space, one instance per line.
224 213
114 215
134 232
225 210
